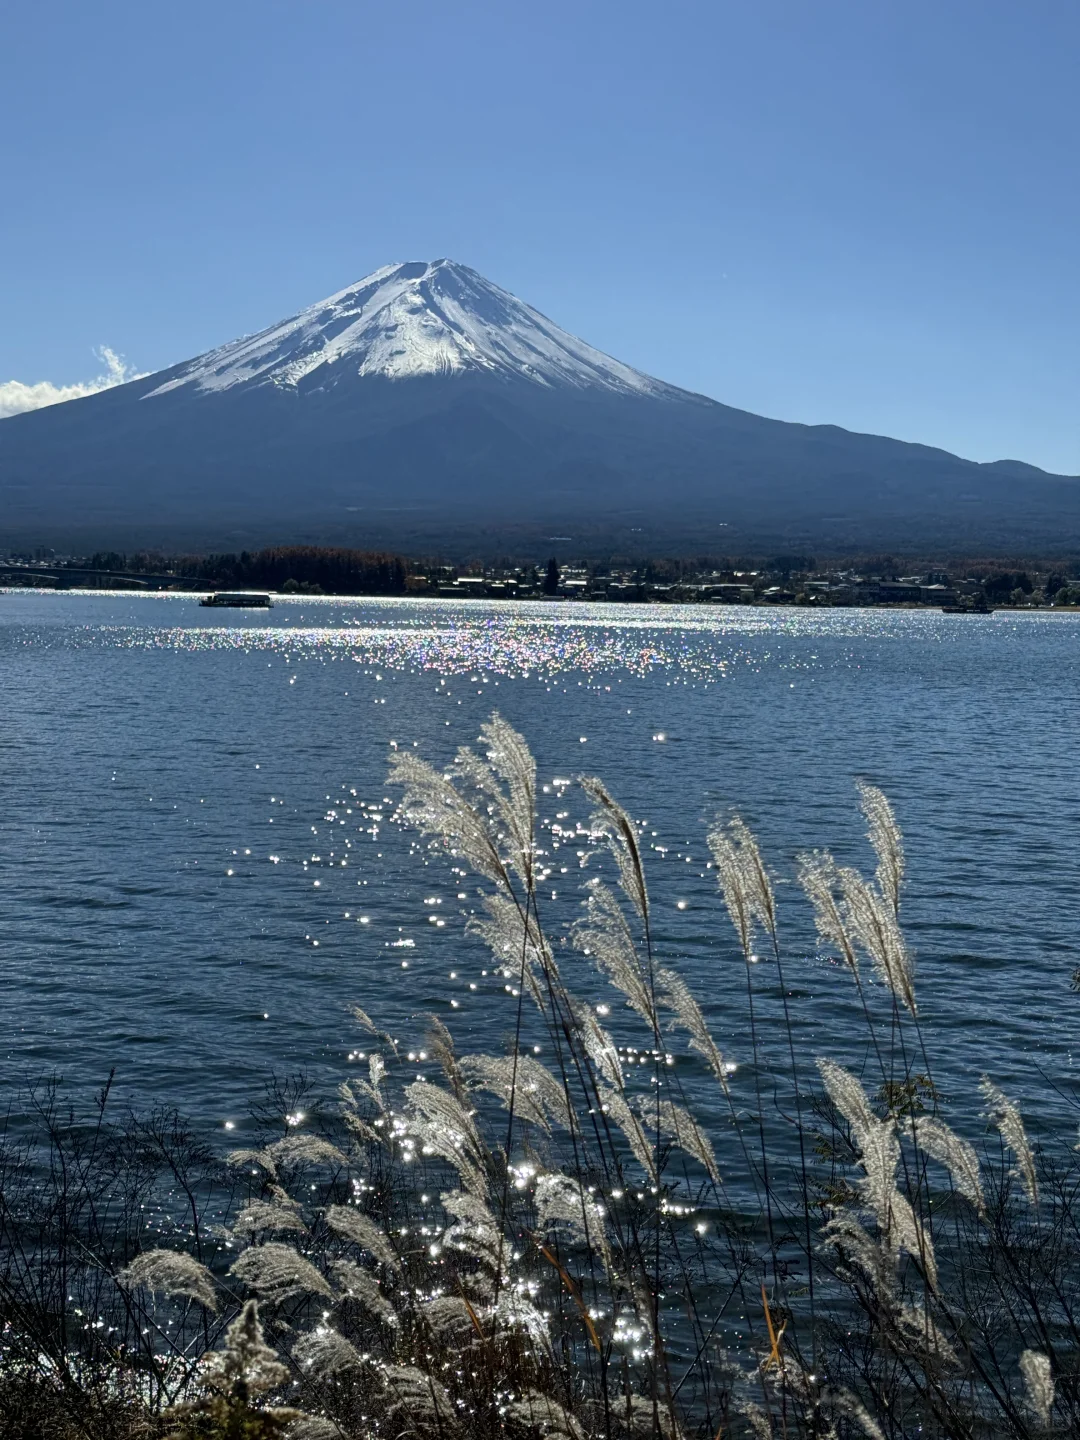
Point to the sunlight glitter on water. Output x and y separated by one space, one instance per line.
115 699
591 641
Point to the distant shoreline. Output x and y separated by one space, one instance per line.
434 599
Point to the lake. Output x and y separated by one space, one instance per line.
199 871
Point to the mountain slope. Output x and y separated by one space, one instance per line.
426 406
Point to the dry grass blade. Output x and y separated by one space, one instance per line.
775 1337
575 1295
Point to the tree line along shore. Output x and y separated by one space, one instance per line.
778 580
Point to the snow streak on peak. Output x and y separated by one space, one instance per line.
402 321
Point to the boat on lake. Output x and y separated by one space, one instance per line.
237 600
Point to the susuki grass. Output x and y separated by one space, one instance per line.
548 1240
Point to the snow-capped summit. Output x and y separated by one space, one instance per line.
421 318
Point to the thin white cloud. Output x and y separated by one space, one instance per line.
15 397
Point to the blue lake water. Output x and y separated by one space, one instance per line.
179 789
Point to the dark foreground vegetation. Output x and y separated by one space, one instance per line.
704 579
554 1240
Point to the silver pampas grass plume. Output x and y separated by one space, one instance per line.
884 835
878 1147
523 1084
433 805
873 925
611 820
359 1284
359 1229
278 1271
679 1127
446 1128
304 1149
246 1361
424 1401
1038 1383
269 1215
744 881
536 1411
686 1012
323 1353
475 1233
562 1200
515 940
606 938
599 1046
819 878
957 1155
614 1105
1005 1116
505 778
172 1273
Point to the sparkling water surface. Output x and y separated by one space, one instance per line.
200 875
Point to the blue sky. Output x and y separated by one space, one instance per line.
848 211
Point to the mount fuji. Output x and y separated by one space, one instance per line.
426 407
407 321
